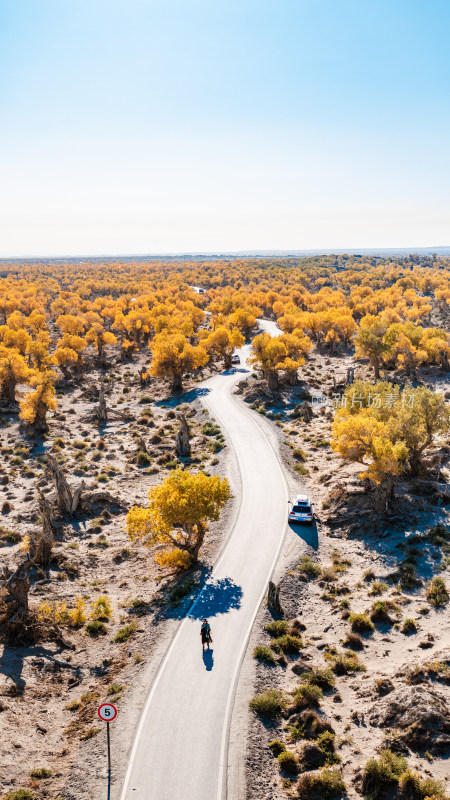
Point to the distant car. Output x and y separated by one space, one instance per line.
301 509
236 359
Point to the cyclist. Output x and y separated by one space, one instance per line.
205 633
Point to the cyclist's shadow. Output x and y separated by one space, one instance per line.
208 659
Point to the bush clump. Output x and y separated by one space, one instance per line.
309 567
264 653
96 628
409 626
353 641
278 627
381 774
41 772
326 784
323 678
343 663
288 644
307 696
437 592
123 634
269 704
288 762
277 747
412 787
18 794
360 623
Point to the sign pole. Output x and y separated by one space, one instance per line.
109 760
108 712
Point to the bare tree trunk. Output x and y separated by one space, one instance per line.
14 599
273 599
182 443
41 545
65 499
102 412
350 375
272 380
177 383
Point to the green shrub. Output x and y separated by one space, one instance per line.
306 696
343 663
299 454
278 627
378 587
301 469
379 612
382 774
96 628
88 733
115 688
288 644
18 794
209 429
277 747
269 704
412 787
326 741
323 678
324 785
309 567
409 626
264 653
143 459
182 590
407 575
437 593
41 772
288 762
360 623
123 634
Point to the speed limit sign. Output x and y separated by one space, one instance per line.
107 712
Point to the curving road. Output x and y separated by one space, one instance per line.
181 745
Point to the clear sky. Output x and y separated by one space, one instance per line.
149 126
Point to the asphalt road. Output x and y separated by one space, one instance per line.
181 745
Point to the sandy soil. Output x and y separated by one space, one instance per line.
49 695
353 704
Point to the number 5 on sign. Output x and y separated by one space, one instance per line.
107 712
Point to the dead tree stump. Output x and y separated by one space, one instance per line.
182 443
66 500
102 411
350 375
273 599
41 544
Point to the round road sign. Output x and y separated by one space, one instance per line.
107 712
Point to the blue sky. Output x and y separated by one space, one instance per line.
143 126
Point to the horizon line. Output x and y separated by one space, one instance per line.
236 253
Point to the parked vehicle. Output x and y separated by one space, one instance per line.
235 359
301 509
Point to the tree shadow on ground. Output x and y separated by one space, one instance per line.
185 397
308 533
217 597
12 663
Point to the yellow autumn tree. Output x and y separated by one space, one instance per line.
13 370
176 519
173 355
36 404
273 354
224 342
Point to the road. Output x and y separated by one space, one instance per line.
181 745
